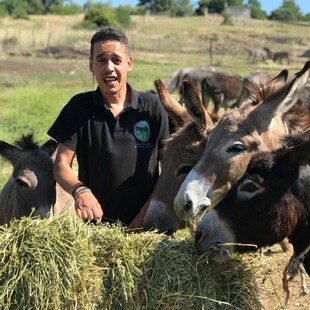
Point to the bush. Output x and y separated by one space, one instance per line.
101 15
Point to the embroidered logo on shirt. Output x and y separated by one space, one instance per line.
142 131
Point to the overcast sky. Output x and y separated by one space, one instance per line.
266 5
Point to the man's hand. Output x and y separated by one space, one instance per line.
87 206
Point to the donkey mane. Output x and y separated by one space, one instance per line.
26 142
31 154
259 91
297 117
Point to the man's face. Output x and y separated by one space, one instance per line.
110 64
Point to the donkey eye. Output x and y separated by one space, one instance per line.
184 170
249 187
236 148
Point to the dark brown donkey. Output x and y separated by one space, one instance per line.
224 88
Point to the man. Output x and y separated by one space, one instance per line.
117 134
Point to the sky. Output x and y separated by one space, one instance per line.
266 5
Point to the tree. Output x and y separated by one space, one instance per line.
216 6
21 8
182 8
157 6
101 15
289 11
256 11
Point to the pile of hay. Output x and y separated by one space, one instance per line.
63 263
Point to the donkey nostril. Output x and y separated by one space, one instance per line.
188 206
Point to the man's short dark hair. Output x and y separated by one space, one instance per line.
108 34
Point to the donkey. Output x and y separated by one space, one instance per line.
269 202
257 125
223 88
174 82
258 53
30 189
182 151
279 56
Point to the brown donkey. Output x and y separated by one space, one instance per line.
182 151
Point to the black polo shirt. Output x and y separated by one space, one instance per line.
117 157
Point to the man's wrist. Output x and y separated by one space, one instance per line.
76 188
83 190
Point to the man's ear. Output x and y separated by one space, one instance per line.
90 65
130 63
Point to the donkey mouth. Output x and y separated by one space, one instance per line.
218 253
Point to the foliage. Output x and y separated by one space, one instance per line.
22 8
69 8
123 15
256 11
289 11
103 15
227 19
216 6
183 8
156 6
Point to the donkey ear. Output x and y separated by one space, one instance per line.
282 99
9 152
49 147
298 155
174 109
195 107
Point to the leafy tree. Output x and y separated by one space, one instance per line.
181 8
103 15
123 14
216 6
202 5
100 15
289 11
157 6
256 11
21 8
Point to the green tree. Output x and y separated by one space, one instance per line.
182 8
123 15
289 11
21 8
256 11
157 6
101 15
216 6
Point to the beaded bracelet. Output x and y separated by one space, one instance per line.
76 187
84 190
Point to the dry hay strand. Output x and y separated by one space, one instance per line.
63 263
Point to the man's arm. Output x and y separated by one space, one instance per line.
86 204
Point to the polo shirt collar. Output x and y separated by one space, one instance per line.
134 103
